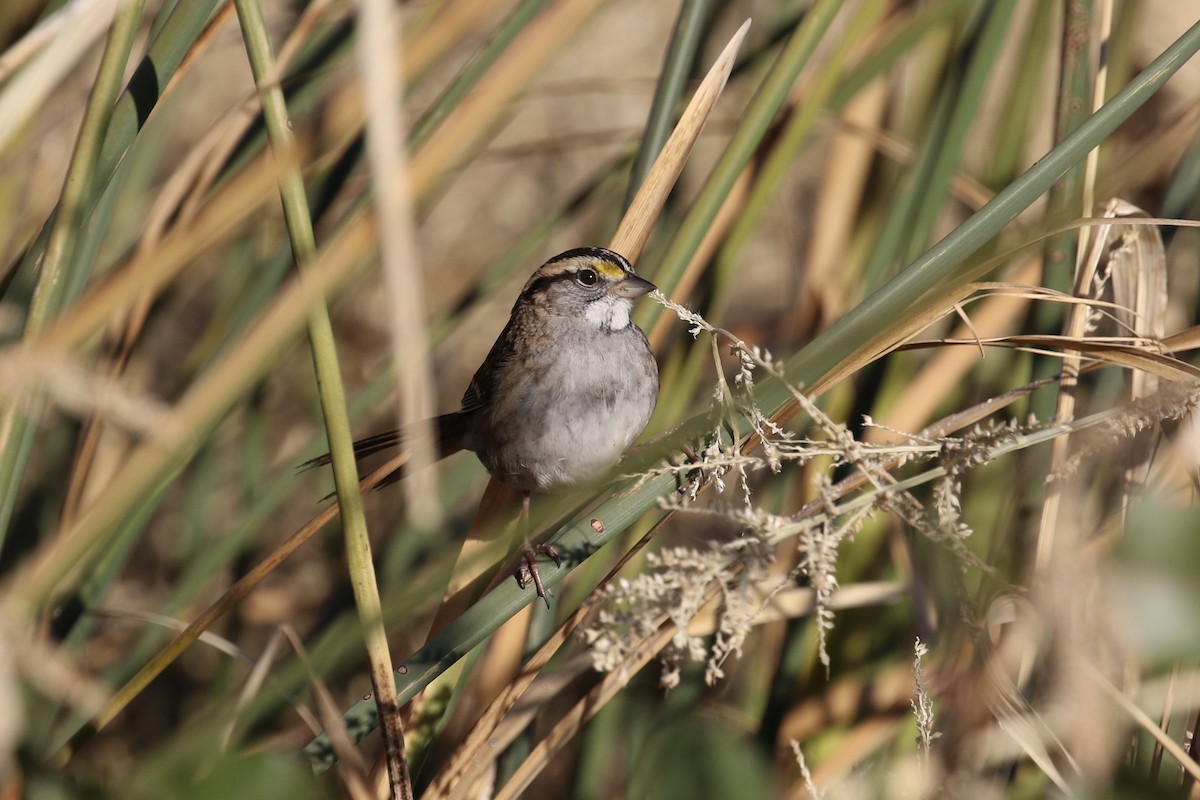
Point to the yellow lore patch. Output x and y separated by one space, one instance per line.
609 269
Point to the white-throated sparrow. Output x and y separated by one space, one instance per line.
568 385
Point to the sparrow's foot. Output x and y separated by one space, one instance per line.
693 479
527 568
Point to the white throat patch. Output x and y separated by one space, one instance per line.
609 313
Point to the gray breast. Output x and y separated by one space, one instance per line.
566 417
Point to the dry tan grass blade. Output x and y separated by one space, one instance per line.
643 212
1125 352
1137 266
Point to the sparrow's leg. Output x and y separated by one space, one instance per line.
527 571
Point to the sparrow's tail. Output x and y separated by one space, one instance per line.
450 432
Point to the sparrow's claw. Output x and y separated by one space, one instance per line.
527 568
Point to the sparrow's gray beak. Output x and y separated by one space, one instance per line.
632 286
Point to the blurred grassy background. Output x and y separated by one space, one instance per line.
159 394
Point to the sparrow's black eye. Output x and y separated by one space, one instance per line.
587 277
